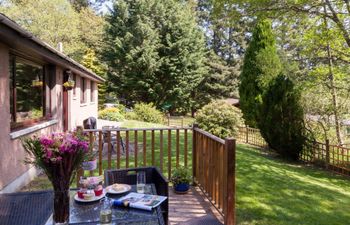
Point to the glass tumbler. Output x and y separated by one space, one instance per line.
141 182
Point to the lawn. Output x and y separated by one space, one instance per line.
271 191
139 124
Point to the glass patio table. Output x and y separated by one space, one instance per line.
89 213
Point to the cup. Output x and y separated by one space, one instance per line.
106 212
141 182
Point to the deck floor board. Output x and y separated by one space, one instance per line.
183 208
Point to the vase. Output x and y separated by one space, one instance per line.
61 207
89 165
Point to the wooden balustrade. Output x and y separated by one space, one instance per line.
124 148
214 171
211 159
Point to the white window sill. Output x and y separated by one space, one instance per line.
92 103
25 131
83 104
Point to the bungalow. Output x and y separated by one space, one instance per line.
33 99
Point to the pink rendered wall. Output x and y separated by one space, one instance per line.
11 151
78 112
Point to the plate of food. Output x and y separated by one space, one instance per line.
118 188
84 195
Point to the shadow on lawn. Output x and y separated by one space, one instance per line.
272 191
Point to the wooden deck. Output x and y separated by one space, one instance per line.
183 208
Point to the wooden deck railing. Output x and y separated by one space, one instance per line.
214 171
124 148
211 159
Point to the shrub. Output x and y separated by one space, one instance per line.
112 114
181 175
219 118
130 116
283 125
147 113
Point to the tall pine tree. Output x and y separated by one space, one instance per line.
155 52
261 64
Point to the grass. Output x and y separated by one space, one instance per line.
140 124
271 191
178 121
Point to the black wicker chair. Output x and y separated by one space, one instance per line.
26 208
153 175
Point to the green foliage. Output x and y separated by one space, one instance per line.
219 118
91 62
261 64
221 81
155 52
147 113
181 175
112 114
283 125
57 21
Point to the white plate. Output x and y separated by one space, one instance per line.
95 198
126 188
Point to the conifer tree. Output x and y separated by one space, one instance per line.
155 52
282 126
261 64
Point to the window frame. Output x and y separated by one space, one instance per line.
14 125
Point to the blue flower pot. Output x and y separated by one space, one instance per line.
181 188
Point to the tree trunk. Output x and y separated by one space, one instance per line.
332 87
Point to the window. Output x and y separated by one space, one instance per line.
92 91
82 90
27 85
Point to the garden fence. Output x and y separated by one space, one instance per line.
332 157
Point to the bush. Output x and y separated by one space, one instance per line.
147 113
219 118
112 114
282 126
181 175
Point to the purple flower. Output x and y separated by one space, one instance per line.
46 142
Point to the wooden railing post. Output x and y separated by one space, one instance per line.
246 134
229 181
194 153
327 154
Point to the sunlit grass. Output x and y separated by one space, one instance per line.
272 191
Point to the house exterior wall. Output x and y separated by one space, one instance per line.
78 111
12 154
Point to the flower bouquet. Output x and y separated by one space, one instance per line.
59 156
